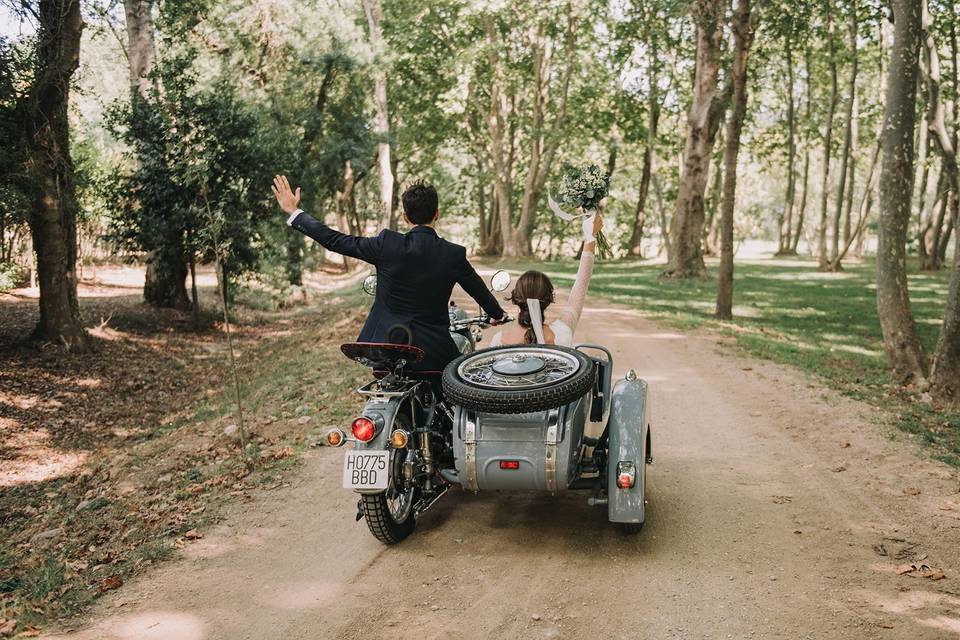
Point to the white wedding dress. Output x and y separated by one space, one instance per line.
569 315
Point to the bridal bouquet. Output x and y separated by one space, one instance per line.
583 187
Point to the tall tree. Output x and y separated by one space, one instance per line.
900 338
846 182
742 39
52 219
166 269
374 11
945 368
703 119
651 38
786 223
808 114
522 132
827 141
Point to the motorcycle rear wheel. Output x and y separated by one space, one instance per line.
389 515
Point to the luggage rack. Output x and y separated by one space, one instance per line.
375 389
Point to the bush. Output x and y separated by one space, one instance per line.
11 276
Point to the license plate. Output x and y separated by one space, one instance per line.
366 470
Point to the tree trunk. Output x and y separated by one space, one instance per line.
801 214
712 204
786 226
165 281
847 143
924 221
497 117
827 147
742 37
543 147
901 341
141 51
52 217
312 132
649 160
865 204
294 262
686 250
945 369
853 116
374 11
341 206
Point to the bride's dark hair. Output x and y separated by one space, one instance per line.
532 284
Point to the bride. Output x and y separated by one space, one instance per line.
533 293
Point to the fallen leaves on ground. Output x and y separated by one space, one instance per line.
920 570
143 421
911 491
113 582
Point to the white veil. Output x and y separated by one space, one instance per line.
536 319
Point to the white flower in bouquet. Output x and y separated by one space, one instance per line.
583 187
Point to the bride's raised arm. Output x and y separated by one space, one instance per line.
570 313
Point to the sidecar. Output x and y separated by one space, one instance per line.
521 422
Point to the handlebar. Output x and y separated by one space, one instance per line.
482 320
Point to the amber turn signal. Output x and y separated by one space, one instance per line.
336 437
399 439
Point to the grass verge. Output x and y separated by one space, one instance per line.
159 470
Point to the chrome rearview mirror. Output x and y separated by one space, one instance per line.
370 285
500 281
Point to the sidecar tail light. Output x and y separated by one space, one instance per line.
363 429
626 475
509 464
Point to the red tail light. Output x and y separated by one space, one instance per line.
626 475
509 464
363 429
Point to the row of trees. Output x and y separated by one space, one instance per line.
717 120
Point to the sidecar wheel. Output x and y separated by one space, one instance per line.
518 379
632 528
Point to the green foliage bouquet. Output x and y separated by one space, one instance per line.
583 187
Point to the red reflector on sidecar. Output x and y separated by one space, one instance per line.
509 464
626 475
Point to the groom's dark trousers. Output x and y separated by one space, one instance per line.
416 272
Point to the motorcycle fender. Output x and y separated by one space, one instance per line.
385 409
628 425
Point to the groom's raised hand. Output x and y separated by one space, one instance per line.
288 200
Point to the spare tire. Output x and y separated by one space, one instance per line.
518 379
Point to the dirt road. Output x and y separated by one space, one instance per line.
776 510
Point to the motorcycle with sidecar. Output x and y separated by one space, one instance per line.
509 418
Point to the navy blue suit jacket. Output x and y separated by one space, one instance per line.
416 272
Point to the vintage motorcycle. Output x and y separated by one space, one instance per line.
502 418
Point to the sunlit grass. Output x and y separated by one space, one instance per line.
788 311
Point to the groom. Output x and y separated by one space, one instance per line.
416 272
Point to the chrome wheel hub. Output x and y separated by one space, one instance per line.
518 368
